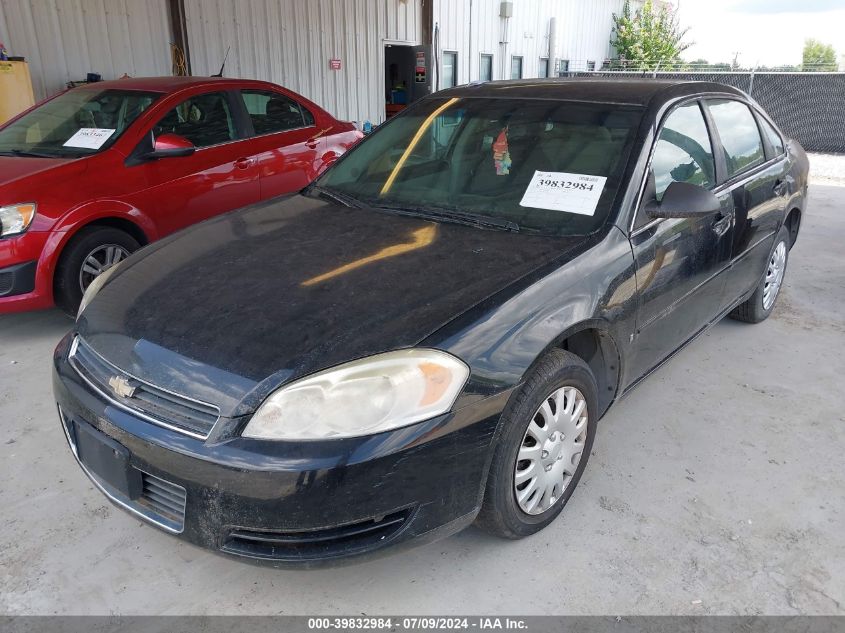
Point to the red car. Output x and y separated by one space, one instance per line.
96 172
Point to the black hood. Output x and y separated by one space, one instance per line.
283 289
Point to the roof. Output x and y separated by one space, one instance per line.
640 92
165 84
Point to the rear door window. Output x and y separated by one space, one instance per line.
739 134
204 120
683 152
272 112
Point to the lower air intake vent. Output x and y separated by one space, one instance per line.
317 544
7 280
165 499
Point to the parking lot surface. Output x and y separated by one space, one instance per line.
715 487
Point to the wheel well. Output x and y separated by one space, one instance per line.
599 351
793 223
117 223
124 225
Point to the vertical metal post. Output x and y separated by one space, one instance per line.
179 30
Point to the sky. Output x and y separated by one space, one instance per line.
763 32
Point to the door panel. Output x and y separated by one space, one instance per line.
759 209
218 177
680 263
680 281
759 193
288 145
287 161
194 188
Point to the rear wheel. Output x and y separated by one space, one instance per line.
548 431
760 305
89 254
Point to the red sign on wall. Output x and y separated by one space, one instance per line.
334 64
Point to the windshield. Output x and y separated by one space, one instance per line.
77 123
547 166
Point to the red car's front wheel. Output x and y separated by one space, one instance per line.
89 254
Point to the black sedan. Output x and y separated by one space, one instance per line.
428 336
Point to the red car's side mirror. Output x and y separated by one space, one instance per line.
170 146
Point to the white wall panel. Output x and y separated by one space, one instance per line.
64 40
290 42
473 27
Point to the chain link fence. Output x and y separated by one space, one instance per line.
809 107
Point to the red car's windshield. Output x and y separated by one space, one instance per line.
77 123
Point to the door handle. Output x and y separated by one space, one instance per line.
311 144
244 163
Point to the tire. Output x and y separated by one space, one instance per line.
89 241
760 305
501 513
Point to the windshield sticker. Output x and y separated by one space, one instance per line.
560 191
89 138
501 155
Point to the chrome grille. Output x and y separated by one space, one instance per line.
151 403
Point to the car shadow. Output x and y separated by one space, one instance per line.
42 325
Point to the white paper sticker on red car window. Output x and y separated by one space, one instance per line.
560 191
89 138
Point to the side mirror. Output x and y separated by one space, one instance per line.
171 146
684 200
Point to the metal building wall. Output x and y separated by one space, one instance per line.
473 27
63 40
290 42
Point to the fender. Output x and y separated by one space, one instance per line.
94 210
575 296
74 220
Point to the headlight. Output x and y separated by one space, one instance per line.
16 218
366 396
95 286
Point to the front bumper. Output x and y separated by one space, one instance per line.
25 281
286 503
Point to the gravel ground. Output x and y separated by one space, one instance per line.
827 169
716 487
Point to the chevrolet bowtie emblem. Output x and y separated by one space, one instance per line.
121 386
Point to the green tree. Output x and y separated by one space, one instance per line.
818 57
649 38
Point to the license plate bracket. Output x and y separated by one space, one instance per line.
107 459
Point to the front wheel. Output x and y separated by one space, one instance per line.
547 434
760 305
88 255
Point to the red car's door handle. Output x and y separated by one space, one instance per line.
244 163
311 143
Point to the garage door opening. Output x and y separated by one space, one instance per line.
407 76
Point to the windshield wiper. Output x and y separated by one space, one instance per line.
20 152
334 196
458 217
